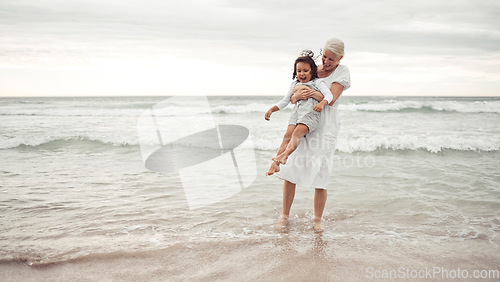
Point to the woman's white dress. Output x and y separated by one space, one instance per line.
311 163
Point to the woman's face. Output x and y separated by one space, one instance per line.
330 60
304 73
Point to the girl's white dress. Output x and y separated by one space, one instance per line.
310 165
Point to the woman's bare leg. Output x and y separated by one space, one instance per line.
300 131
275 166
288 195
319 207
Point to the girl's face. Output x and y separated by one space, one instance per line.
304 73
330 60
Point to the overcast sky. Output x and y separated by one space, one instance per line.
217 47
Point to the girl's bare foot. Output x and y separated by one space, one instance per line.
318 226
275 167
281 158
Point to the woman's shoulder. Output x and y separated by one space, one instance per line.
340 69
337 71
340 75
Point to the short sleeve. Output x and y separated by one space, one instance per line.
341 75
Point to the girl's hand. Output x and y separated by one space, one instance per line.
319 107
268 114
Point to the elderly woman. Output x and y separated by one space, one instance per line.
310 164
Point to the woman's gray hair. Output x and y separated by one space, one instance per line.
336 46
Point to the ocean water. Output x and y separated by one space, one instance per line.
413 177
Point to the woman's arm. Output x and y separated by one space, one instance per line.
336 90
301 92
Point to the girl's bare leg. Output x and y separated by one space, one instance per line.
275 166
319 207
300 131
288 195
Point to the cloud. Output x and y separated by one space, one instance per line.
381 36
367 25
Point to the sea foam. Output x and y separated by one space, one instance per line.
425 106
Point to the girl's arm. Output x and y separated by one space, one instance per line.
286 100
269 112
281 104
326 92
302 92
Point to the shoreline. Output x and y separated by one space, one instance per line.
266 260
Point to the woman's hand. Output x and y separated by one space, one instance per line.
301 92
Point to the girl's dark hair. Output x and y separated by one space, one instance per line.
306 57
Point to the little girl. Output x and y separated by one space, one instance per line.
305 116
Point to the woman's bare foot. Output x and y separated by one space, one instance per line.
282 223
318 226
275 167
281 158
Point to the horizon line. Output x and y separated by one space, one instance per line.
262 95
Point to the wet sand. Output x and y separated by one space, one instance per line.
280 259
